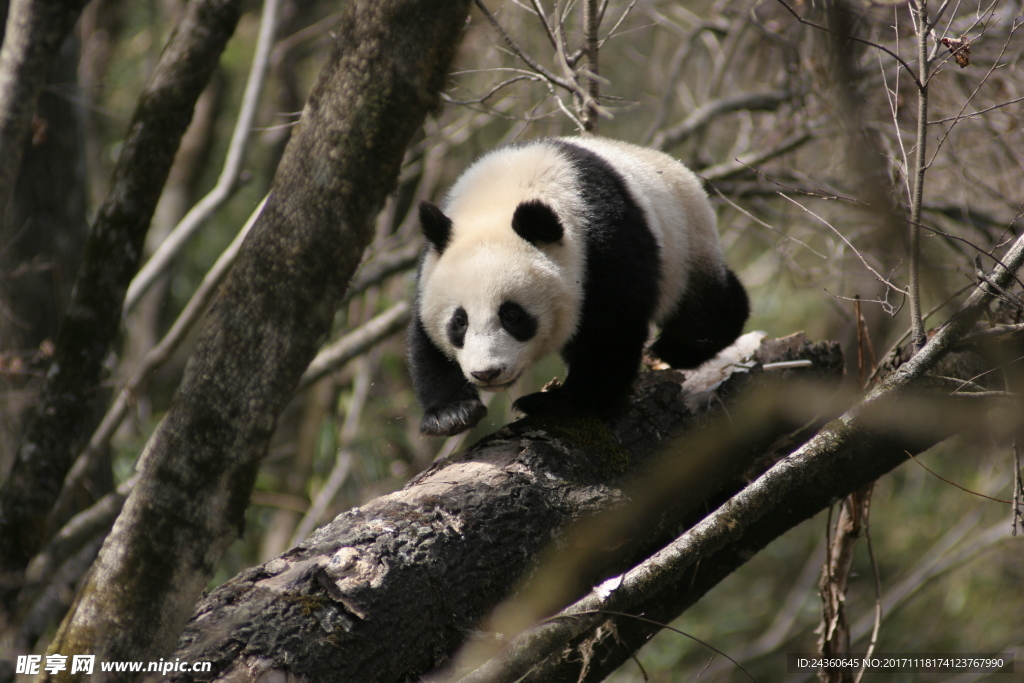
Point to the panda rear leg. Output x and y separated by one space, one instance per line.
708 318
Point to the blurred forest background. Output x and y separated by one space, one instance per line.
741 91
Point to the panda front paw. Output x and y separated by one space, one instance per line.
554 402
452 418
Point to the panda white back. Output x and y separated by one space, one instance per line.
572 245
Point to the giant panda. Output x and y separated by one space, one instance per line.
572 245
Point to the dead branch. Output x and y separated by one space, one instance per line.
227 182
703 115
469 528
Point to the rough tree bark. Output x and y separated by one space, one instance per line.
66 408
45 228
422 567
43 235
387 65
841 459
913 408
34 32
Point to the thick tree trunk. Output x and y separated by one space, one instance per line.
67 408
43 235
390 590
387 65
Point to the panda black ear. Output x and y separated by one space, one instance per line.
435 225
537 223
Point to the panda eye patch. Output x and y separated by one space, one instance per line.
457 326
516 321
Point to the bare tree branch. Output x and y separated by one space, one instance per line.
703 115
111 257
468 528
358 341
387 64
846 454
34 32
90 456
228 179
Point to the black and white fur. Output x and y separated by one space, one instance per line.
572 245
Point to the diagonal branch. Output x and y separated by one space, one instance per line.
99 442
703 115
228 179
387 63
69 394
857 39
846 454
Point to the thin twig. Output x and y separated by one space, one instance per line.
492 92
919 12
860 256
853 38
1018 484
961 116
612 31
765 225
544 20
228 180
876 627
953 483
156 357
335 356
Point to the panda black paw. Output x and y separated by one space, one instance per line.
554 402
452 418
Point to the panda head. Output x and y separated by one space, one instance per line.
494 293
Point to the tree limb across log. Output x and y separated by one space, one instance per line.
390 590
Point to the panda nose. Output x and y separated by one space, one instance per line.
487 375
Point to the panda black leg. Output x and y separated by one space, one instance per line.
603 362
709 318
450 403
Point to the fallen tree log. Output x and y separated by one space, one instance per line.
390 590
